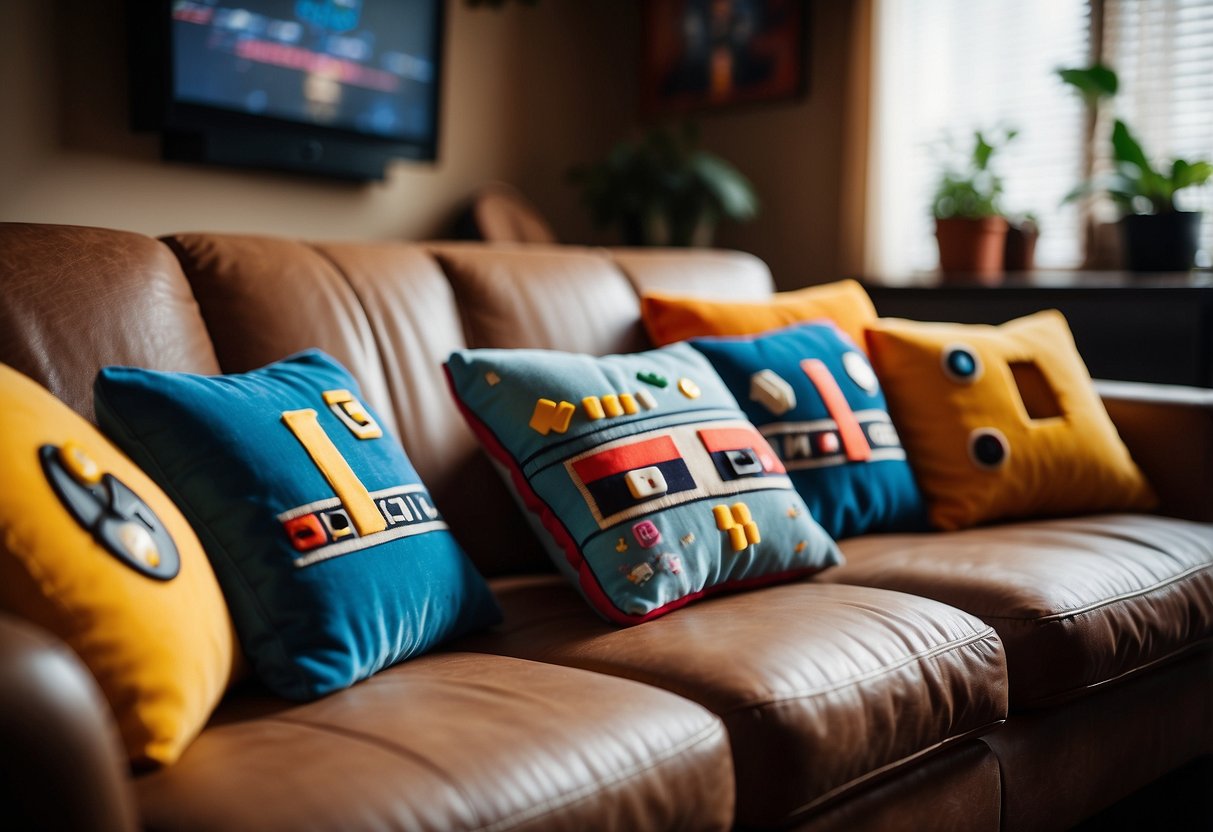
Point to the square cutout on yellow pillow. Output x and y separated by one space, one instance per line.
1003 422
93 551
670 318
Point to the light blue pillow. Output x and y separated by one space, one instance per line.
649 486
814 396
333 559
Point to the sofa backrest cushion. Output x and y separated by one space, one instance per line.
73 300
710 273
543 297
265 298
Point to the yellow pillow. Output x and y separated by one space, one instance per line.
1003 422
670 318
93 551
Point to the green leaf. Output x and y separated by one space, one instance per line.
731 191
1186 174
1125 148
1094 82
982 151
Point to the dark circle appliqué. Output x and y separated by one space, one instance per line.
988 448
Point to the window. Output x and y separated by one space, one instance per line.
1163 52
946 68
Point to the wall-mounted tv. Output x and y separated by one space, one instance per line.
333 87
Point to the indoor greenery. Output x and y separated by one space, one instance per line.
664 189
972 191
1136 185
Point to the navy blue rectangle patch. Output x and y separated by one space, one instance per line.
614 493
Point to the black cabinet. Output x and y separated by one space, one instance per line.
1127 328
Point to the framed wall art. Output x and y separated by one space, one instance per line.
705 54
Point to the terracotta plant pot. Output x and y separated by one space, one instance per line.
1161 242
971 250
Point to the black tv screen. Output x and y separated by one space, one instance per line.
330 86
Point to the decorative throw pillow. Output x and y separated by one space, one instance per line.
815 398
652 487
334 560
93 551
670 318
1003 422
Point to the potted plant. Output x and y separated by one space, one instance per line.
663 189
1158 237
969 225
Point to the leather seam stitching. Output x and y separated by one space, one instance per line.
921 656
1069 694
1055 616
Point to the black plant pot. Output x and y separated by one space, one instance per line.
1161 242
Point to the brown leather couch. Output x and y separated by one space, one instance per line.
875 697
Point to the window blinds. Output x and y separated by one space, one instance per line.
1163 52
946 67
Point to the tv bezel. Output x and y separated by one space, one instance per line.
194 132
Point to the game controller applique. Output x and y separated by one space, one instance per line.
352 519
845 436
110 511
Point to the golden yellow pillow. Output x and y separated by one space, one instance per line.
670 318
1003 421
92 550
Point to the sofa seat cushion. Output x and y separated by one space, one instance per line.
449 742
823 688
1078 603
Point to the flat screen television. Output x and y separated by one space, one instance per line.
333 87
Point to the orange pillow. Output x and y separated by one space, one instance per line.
670 318
1003 421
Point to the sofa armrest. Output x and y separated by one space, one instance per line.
61 765
1169 432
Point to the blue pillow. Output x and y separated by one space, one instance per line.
650 487
328 548
814 396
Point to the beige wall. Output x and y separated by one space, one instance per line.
528 91
512 75
804 158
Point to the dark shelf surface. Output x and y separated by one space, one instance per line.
1128 327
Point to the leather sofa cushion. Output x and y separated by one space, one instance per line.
453 741
823 688
543 297
713 273
1077 602
74 300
